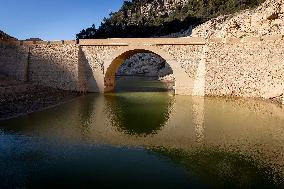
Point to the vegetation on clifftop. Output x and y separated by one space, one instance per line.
4 36
146 18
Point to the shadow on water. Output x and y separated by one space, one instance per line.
224 169
141 84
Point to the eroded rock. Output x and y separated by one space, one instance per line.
267 19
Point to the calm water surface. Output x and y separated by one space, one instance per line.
145 140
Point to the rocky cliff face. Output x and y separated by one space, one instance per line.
145 64
156 8
267 19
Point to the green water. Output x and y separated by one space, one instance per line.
145 140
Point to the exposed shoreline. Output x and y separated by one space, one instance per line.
21 98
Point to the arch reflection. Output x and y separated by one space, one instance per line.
136 114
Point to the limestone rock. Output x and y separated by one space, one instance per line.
267 19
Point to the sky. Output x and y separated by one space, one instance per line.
53 19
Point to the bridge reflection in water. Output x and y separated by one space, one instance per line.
206 141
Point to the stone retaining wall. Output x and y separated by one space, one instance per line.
248 67
55 65
252 68
13 60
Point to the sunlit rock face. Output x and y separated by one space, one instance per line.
267 19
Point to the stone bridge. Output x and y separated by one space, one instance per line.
106 56
246 67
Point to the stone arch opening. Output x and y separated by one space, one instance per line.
114 64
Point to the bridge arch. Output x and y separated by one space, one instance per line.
112 64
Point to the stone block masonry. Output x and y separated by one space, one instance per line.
55 65
242 67
248 69
14 59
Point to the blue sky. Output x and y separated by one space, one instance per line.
53 19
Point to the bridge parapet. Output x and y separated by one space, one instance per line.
142 41
62 42
149 41
174 41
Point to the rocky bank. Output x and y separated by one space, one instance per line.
20 98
